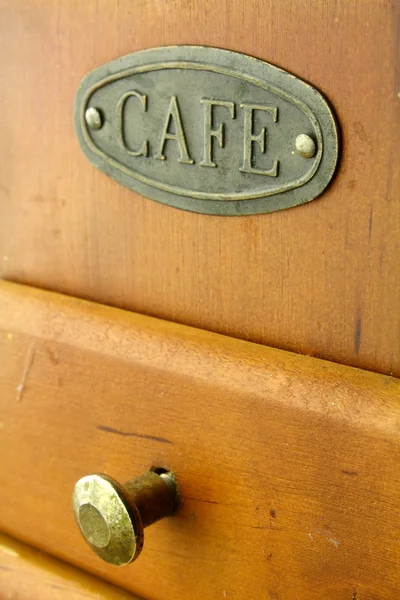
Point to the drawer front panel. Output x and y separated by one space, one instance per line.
288 466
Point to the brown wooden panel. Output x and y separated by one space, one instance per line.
289 466
322 279
27 573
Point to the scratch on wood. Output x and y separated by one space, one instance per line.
350 473
3 568
30 357
58 587
327 535
201 500
332 540
357 336
133 434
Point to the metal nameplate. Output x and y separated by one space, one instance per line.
207 130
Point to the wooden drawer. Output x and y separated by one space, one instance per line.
288 466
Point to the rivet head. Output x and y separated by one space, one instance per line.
305 145
93 118
112 516
94 526
112 530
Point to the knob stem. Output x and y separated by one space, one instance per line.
153 496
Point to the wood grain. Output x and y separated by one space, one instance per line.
289 466
26 573
322 279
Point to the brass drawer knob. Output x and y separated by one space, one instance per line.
112 516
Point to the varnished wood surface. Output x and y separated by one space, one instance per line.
28 574
289 466
322 279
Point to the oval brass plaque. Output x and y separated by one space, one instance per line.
207 130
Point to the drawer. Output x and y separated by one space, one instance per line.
288 466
